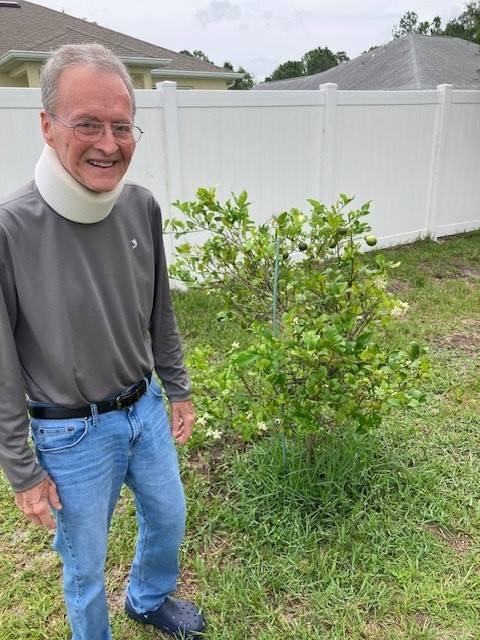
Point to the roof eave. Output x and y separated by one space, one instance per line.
13 58
169 73
151 63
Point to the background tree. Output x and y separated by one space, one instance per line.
341 57
244 83
467 25
199 55
290 69
318 60
454 29
409 24
436 27
314 61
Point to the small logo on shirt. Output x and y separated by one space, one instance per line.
133 243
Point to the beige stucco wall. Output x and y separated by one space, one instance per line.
25 75
141 78
7 81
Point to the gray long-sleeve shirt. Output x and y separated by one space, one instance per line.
85 311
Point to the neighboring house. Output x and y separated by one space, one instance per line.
408 63
28 32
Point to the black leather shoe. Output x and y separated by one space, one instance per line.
177 617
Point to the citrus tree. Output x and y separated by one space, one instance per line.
311 310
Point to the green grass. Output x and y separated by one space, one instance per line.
379 539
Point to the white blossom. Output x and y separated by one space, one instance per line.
215 434
202 420
400 310
381 282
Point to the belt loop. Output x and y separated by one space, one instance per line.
93 409
147 379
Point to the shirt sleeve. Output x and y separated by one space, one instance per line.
17 458
166 342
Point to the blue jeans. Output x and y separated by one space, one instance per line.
90 459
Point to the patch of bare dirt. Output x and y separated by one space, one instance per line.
397 287
462 342
465 338
468 273
460 542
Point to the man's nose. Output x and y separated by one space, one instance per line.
108 143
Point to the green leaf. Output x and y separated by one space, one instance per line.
363 340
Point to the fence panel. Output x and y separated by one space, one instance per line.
270 148
21 141
459 182
384 154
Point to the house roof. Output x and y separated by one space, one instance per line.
28 27
411 62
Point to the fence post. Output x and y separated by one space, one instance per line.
173 158
439 142
327 157
172 140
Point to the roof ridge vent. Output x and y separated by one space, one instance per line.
9 3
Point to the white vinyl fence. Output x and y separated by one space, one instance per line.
414 154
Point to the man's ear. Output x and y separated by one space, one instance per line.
47 128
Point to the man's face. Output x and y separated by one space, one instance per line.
88 95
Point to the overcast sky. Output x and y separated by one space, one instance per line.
257 34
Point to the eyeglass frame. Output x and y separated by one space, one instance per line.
103 130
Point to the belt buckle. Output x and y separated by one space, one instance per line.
122 401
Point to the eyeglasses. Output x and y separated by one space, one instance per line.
124 133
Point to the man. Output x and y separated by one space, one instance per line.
85 316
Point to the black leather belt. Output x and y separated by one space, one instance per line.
64 413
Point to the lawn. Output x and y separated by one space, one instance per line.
379 539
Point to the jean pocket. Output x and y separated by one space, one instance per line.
55 436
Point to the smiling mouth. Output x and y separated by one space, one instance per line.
100 164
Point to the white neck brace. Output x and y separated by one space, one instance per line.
67 196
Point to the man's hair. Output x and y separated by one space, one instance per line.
69 55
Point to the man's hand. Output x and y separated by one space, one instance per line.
183 417
36 502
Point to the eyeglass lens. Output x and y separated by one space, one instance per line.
126 133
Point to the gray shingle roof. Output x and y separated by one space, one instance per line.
411 62
35 28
